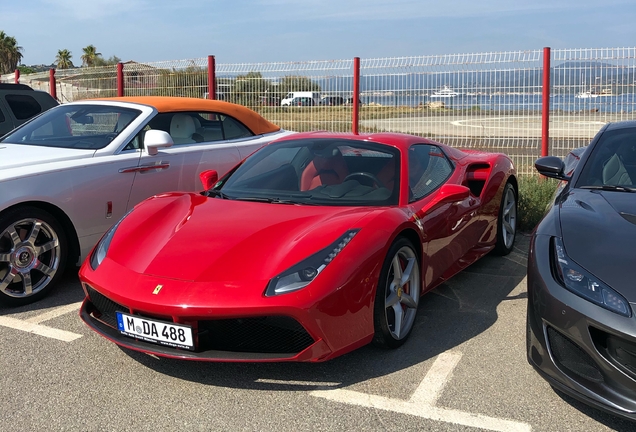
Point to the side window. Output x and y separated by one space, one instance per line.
5 126
199 127
233 129
137 142
428 169
23 106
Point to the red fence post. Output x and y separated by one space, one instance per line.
52 85
211 77
356 95
120 79
17 76
545 107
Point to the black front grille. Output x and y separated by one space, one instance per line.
571 358
267 335
618 351
105 307
272 334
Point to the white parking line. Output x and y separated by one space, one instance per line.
436 378
54 313
421 403
39 329
32 325
298 383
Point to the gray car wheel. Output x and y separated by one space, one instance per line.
507 221
397 296
33 251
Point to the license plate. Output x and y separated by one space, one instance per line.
163 333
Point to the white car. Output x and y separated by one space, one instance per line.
72 172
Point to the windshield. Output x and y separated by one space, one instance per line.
319 172
612 163
74 126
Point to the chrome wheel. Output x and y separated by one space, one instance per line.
509 217
30 257
397 295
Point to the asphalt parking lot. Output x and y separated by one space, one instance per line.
464 369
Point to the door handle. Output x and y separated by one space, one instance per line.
145 168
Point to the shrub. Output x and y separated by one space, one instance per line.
535 194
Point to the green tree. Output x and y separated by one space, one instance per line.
90 56
113 60
249 89
25 70
10 53
63 59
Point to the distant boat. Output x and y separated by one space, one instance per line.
586 95
445 92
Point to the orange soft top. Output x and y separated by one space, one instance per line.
257 124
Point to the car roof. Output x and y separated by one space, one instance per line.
257 124
621 124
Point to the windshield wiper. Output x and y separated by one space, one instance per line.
615 188
273 200
216 193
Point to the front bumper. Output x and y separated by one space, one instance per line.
236 349
584 350
235 323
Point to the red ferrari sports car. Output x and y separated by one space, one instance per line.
313 246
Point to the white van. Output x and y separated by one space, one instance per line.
291 95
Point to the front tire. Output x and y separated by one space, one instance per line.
33 252
397 296
507 221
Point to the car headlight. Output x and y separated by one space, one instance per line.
99 253
581 282
301 275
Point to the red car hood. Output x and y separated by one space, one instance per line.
187 236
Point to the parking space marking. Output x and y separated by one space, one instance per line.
54 313
32 325
421 403
298 383
38 329
436 378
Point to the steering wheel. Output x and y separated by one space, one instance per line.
366 176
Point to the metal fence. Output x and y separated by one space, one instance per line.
490 101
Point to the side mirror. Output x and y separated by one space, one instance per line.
452 192
551 166
155 139
449 193
208 178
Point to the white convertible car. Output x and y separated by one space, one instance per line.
72 172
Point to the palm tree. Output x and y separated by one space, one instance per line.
10 53
63 59
90 55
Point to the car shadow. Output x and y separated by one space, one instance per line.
448 316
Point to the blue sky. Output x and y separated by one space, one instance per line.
246 31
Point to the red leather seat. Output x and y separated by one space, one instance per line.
324 171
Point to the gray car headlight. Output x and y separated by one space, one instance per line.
581 282
99 253
301 275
